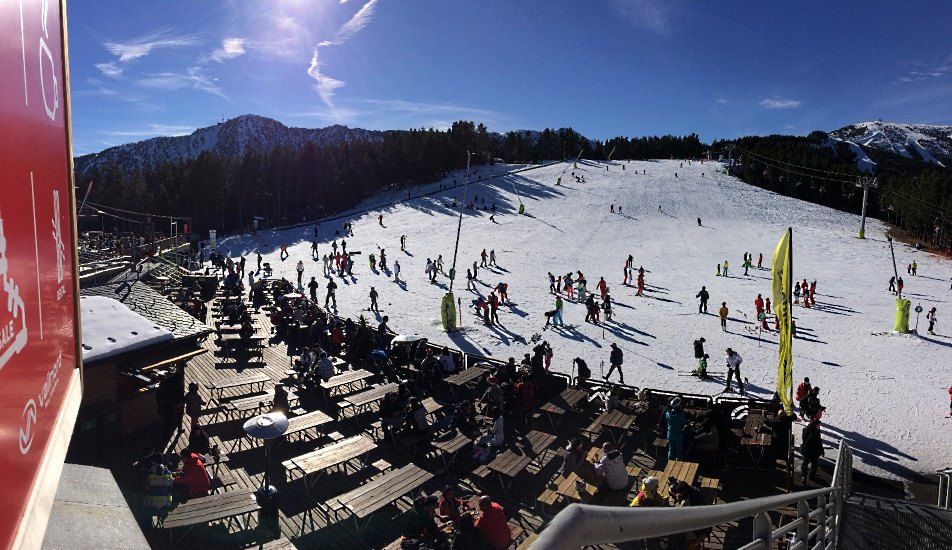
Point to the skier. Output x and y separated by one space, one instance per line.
702 367
725 268
503 290
914 265
557 318
334 247
492 257
300 271
483 256
258 254
630 263
612 209
493 308
699 348
331 289
403 242
569 287
734 361
343 246
615 358
558 284
439 263
602 287
892 284
607 307
796 293
470 285
641 283
284 251
723 314
899 285
383 259
314 253
718 272
759 305
551 283
932 319
373 263
699 222
327 265
760 260
812 292
703 296
380 220
624 280
767 304
396 271
746 264
475 271
312 286
373 299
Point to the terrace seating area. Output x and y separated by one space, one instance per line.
367 441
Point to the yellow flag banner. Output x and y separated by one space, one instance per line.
782 268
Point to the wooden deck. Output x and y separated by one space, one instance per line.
306 521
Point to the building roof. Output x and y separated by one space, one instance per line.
111 328
145 301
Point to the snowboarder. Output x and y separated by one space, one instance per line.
312 286
703 296
615 359
630 263
723 315
557 318
734 361
475 271
932 319
331 294
396 271
383 259
373 299
300 271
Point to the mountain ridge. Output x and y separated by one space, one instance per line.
927 142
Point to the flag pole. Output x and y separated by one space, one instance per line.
787 291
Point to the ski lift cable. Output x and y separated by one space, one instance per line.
797 165
104 207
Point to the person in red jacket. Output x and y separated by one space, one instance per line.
193 476
492 524
759 304
602 287
950 400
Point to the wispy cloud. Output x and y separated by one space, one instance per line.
193 77
153 130
399 113
111 70
928 72
325 85
230 49
143 45
720 101
651 15
780 103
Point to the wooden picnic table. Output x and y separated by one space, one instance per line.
217 507
509 463
360 402
680 469
563 403
327 457
255 403
302 423
364 501
229 341
570 488
451 444
216 388
346 381
463 378
755 439
617 423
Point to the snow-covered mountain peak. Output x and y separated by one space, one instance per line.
931 143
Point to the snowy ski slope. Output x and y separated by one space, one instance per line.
884 392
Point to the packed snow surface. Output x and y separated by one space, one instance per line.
111 328
885 392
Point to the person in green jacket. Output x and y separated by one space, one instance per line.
702 367
557 318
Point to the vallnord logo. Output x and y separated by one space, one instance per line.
28 421
13 338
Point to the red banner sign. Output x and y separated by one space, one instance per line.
37 296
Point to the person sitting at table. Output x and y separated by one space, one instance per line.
648 495
391 413
446 361
430 366
450 507
416 421
464 417
611 467
493 438
247 330
684 494
704 434
467 535
198 440
280 403
574 461
494 396
506 373
420 523
325 367
525 394
193 479
492 524
159 484
305 361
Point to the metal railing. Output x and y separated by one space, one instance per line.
815 528
945 476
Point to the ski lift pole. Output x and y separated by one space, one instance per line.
459 225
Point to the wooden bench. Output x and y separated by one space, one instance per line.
255 403
450 447
362 401
204 510
301 424
222 481
216 389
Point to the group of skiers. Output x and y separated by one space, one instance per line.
747 263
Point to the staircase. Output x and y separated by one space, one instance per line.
875 522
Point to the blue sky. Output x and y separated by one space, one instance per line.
604 67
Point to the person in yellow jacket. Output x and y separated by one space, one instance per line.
648 495
725 269
723 314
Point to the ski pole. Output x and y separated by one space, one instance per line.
601 369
